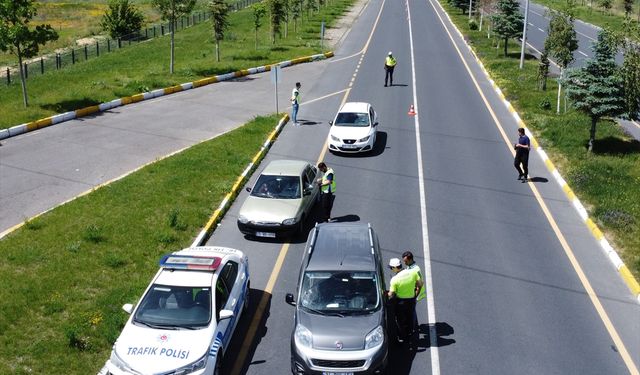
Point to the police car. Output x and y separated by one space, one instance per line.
186 318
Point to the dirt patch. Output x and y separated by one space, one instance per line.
336 33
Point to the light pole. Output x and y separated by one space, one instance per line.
470 6
524 33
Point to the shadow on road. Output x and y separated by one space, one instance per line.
401 356
538 179
378 148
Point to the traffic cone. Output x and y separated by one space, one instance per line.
411 112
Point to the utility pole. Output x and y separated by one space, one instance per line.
524 33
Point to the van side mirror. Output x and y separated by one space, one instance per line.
127 307
289 299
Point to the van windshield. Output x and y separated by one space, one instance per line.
340 292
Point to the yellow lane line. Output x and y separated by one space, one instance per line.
565 246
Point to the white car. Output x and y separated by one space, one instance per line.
353 129
185 320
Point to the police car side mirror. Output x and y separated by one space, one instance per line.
248 189
128 307
226 314
289 299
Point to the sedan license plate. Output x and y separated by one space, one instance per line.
349 146
266 234
337 373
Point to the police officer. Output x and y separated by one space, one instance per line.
327 190
389 64
407 259
403 287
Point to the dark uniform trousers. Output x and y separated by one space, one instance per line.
326 200
404 316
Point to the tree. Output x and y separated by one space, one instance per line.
276 9
259 10
543 71
628 7
296 13
310 6
597 88
171 10
16 36
508 22
630 73
561 42
606 5
219 14
121 19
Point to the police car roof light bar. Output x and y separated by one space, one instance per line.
190 262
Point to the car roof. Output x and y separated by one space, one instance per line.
285 167
342 246
355 107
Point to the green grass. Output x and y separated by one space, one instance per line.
145 66
614 19
66 274
607 181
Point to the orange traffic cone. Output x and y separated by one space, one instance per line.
411 112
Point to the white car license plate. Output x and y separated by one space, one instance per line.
266 234
349 146
337 373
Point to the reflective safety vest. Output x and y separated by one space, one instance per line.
329 188
390 61
403 284
295 96
415 268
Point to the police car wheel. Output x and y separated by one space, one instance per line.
245 307
218 369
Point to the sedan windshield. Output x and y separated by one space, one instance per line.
340 292
352 119
175 307
279 187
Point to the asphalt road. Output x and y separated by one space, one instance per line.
507 297
518 284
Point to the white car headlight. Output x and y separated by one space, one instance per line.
374 338
291 221
243 219
195 366
303 336
334 138
364 139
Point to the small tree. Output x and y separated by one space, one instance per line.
628 7
508 22
543 71
296 13
630 73
259 10
276 9
597 88
561 42
219 14
310 7
121 19
171 10
606 5
16 36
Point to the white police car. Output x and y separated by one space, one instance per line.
186 318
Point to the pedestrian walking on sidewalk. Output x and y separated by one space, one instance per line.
389 64
295 103
327 190
522 155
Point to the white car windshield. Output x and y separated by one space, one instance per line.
340 292
352 119
278 187
176 307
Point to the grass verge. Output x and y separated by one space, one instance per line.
66 274
607 181
145 66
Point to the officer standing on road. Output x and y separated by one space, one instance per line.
295 103
407 259
522 155
403 286
389 64
327 190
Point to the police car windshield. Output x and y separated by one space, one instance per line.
347 293
352 119
278 187
167 306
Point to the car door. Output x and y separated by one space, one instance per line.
308 179
230 293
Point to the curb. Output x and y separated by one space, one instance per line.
62 117
608 250
218 214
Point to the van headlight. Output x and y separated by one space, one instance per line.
195 366
289 221
303 336
242 219
334 138
374 338
364 139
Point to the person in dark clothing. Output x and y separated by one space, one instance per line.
522 155
389 65
327 190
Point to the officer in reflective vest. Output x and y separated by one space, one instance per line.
407 259
403 286
389 64
327 190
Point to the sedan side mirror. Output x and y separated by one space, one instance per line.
289 299
331 122
248 189
226 314
128 307
375 123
